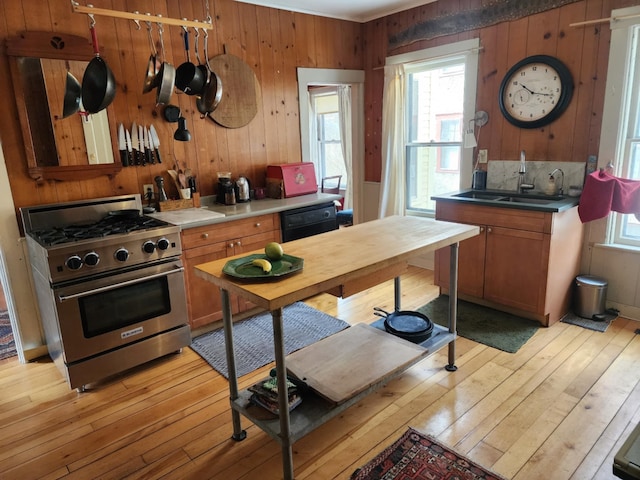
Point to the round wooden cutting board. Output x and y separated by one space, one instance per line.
240 91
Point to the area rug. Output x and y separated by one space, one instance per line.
7 341
597 325
485 325
253 338
417 457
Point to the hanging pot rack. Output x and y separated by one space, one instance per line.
91 10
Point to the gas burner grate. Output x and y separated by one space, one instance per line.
110 225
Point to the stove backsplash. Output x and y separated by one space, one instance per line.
503 174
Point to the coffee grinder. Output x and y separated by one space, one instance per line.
224 183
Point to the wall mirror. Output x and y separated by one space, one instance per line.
73 148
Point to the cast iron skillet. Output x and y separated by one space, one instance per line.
412 326
125 213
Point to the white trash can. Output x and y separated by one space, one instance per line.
590 296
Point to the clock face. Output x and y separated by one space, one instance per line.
535 91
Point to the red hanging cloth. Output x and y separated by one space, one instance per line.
604 193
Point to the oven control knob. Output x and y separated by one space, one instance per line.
74 262
92 259
122 254
148 247
163 244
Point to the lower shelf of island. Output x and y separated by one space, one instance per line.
314 410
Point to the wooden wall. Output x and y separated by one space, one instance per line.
585 50
272 42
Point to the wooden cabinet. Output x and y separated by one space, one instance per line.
523 261
216 241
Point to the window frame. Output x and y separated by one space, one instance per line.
467 52
619 116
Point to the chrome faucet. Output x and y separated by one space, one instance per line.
522 173
561 190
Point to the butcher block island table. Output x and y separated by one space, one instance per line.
341 262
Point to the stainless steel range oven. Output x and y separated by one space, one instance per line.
110 285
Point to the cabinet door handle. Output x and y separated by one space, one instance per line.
238 243
489 229
231 245
257 224
481 229
205 235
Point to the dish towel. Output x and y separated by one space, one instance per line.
604 193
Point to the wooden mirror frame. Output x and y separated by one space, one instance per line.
50 45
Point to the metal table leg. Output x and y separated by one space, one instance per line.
283 397
453 305
238 433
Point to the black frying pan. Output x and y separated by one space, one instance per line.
412 326
98 82
125 213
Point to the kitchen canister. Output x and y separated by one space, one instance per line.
479 180
590 296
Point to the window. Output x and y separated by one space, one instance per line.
329 160
440 89
622 110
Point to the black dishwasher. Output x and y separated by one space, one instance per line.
306 221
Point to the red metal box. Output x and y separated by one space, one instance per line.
295 179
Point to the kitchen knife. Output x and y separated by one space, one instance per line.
147 146
122 146
129 148
135 143
152 147
141 140
156 142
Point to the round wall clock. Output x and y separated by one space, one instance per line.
535 91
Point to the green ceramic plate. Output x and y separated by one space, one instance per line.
243 268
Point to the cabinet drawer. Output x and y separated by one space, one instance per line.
221 232
500 217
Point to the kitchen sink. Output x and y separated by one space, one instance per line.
480 196
536 200
498 196
530 200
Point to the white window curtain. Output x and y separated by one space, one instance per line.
344 102
392 198
313 128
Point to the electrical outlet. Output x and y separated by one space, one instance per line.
482 156
146 188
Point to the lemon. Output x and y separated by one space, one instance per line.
274 251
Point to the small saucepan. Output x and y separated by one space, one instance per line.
409 325
166 77
189 78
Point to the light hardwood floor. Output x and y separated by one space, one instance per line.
557 409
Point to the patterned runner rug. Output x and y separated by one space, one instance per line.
416 456
253 338
7 342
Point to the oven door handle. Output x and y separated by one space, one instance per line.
64 298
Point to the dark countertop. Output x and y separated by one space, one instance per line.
534 200
211 212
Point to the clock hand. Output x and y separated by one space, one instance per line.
528 90
536 93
